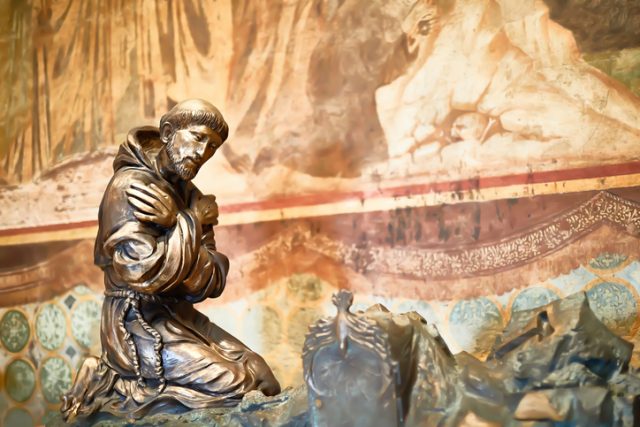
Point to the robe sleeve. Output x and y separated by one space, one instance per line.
208 277
177 261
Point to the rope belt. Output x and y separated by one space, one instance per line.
132 303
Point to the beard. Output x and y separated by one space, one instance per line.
185 169
185 172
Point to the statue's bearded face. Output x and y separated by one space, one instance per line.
190 147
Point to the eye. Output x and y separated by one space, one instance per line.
198 136
424 26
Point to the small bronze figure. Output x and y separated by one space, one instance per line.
156 247
351 376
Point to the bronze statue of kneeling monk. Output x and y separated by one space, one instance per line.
156 247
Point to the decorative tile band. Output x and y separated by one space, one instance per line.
485 259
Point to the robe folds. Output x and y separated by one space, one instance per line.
158 351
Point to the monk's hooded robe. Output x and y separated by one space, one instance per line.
158 350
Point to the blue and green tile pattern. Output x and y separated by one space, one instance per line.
41 350
42 344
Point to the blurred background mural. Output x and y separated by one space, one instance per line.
461 158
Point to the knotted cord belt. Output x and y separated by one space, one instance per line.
132 302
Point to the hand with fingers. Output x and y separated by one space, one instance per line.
152 204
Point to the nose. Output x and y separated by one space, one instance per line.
199 151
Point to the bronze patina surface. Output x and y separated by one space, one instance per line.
156 247
553 365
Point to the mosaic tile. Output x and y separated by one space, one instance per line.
85 322
631 274
574 281
20 380
3 403
55 378
51 326
82 290
533 297
615 306
70 352
69 301
18 417
474 324
49 415
607 261
14 330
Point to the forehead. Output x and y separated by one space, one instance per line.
204 130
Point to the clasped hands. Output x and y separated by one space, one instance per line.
153 205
